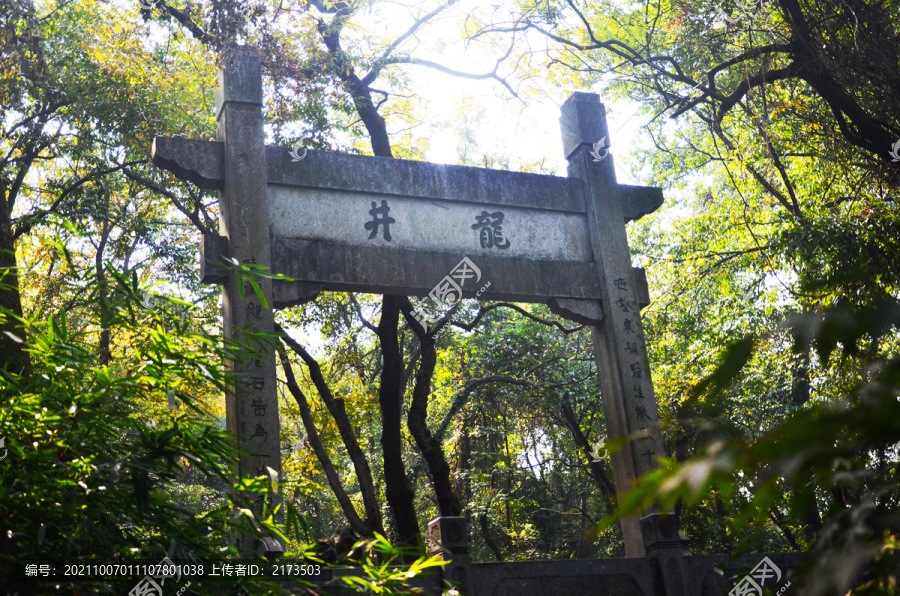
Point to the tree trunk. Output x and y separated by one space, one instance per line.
488 537
595 469
104 343
339 414
13 358
464 462
778 519
397 489
803 494
448 503
319 449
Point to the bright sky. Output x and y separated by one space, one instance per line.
522 131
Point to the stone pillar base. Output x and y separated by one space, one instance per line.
665 543
449 538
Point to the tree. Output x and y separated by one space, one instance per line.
783 116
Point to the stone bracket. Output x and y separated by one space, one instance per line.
200 162
640 283
584 312
293 293
213 263
638 201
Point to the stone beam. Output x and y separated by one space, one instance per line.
348 268
339 216
201 162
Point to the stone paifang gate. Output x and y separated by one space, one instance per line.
340 222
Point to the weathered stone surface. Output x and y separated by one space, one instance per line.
638 201
596 585
643 290
213 252
626 387
448 534
252 402
400 177
579 124
287 294
704 576
200 162
717 575
339 267
239 81
431 225
661 532
665 543
586 312
611 577
449 539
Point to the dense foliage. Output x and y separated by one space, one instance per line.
773 268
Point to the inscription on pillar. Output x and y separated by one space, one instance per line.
251 403
629 403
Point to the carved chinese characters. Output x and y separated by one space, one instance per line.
380 218
489 226
490 230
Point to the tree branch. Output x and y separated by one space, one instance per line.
486 309
458 402
30 220
193 216
456 73
757 80
383 60
184 18
438 468
351 444
319 449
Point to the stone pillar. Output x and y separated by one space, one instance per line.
629 403
252 403
665 543
450 539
